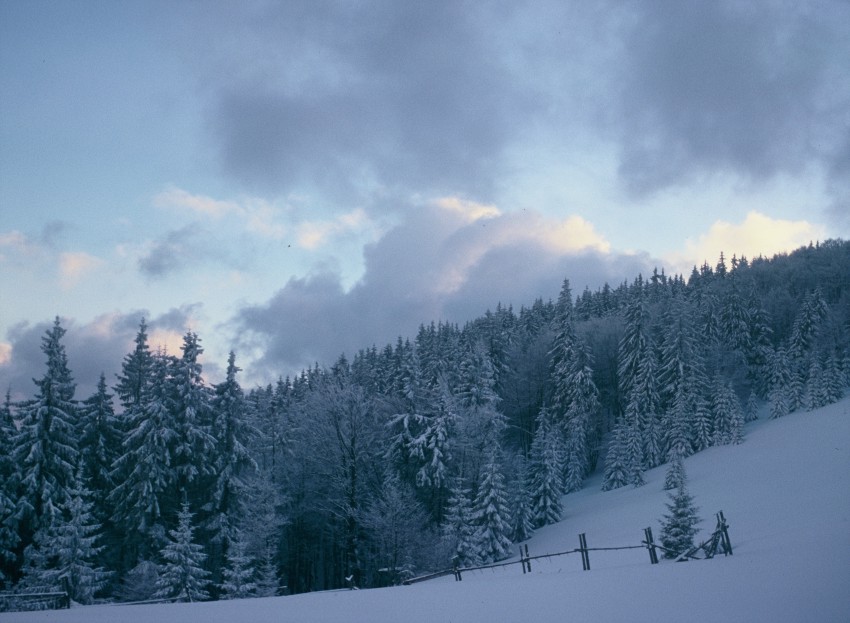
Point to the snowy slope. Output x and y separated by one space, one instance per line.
785 493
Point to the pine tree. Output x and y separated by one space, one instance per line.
232 461
522 526
702 430
816 390
144 496
751 411
8 492
45 446
582 412
182 576
546 484
267 580
192 418
490 514
675 476
634 450
72 544
238 575
678 528
728 418
616 462
677 426
458 529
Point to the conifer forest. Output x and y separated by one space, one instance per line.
442 448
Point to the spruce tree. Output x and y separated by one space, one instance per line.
145 495
182 576
616 462
675 475
238 575
8 492
72 545
231 459
678 528
490 514
458 529
45 446
522 526
728 418
546 484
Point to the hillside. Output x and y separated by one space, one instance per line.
785 492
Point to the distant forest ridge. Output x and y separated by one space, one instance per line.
442 448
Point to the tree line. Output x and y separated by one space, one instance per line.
440 449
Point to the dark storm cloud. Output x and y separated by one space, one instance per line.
93 348
434 266
326 95
431 98
753 89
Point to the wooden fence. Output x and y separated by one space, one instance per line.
716 543
19 602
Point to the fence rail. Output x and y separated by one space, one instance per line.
20 602
717 542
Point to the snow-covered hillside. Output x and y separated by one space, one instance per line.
785 493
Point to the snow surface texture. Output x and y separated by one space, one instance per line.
785 493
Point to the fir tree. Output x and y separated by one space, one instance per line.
267 580
675 476
8 492
45 446
232 461
72 545
751 411
144 495
238 575
728 418
678 426
678 528
546 484
490 513
458 529
182 576
616 462
634 451
192 418
522 526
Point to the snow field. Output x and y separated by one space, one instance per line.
785 493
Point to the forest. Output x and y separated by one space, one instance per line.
439 449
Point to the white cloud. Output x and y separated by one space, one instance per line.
15 245
758 234
5 353
200 204
74 266
258 216
470 210
315 234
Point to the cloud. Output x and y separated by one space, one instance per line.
717 87
315 234
342 98
16 247
756 235
93 347
75 266
175 251
439 263
255 215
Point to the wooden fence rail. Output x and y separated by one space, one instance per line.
18 602
719 540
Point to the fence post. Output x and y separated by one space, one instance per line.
724 531
585 557
522 559
527 558
650 545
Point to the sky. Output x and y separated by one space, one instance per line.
293 180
